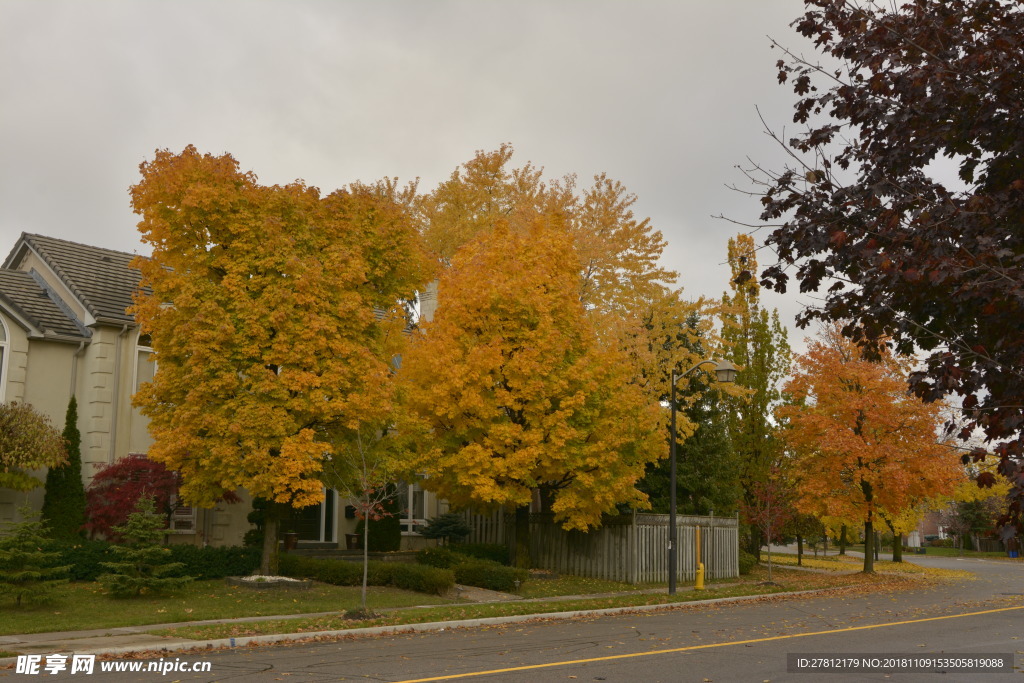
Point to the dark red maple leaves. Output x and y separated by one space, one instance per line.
934 262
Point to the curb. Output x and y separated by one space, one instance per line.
245 641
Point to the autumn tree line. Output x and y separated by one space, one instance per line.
291 356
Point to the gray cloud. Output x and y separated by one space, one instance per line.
660 95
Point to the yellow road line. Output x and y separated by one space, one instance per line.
704 647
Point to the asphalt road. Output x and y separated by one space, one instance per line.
734 642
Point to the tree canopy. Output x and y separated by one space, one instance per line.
274 313
860 441
516 389
756 342
27 442
905 198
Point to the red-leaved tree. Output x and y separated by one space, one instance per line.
116 489
769 508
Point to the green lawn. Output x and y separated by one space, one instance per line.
575 585
784 580
85 606
938 552
81 606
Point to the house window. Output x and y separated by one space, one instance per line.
413 504
3 360
183 518
145 364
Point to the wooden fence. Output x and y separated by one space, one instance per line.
632 548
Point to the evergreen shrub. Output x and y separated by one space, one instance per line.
490 575
216 562
385 532
64 500
448 527
141 565
419 578
441 557
495 552
747 562
85 558
29 570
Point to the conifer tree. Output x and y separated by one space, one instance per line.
64 502
142 565
28 571
757 344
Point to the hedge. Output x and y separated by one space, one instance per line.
216 562
439 556
414 577
495 552
490 575
472 571
86 558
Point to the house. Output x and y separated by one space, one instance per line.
64 331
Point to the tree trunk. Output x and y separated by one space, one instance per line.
842 540
523 537
799 550
366 561
269 560
754 546
869 542
897 543
878 544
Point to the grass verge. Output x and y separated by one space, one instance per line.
937 552
842 563
576 585
80 606
783 581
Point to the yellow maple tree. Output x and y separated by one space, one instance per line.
274 314
860 442
516 391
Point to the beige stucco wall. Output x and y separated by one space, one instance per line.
35 372
105 376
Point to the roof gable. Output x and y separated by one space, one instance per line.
34 303
99 278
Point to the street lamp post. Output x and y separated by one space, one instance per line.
724 372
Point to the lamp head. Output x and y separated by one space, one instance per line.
725 371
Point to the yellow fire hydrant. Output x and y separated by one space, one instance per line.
699 585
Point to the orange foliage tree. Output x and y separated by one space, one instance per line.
273 312
517 391
860 441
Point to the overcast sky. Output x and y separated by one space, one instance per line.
660 95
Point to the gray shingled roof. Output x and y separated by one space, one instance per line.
34 303
99 277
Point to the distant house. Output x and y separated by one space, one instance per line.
64 330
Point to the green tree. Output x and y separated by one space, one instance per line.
64 502
707 477
142 563
27 570
756 342
274 313
449 526
27 442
